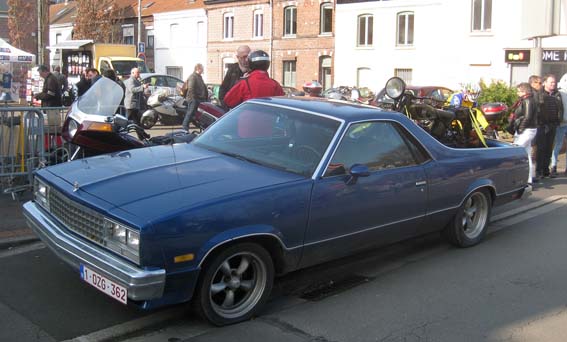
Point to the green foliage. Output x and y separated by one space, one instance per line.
497 91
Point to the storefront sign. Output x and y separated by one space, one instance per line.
517 56
554 56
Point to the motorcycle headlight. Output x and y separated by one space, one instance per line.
41 193
123 240
73 127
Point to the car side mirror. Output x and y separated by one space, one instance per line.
356 171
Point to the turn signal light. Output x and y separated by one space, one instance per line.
97 126
184 257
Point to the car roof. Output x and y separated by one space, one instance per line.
343 110
151 74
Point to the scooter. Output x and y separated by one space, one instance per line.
94 127
171 109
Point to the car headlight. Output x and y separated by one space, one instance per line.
122 240
41 193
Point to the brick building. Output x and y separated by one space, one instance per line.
233 23
303 42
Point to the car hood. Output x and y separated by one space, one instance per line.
156 180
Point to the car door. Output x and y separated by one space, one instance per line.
386 205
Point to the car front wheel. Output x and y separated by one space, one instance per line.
469 225
235 284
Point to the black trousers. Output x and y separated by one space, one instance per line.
134 115
545 137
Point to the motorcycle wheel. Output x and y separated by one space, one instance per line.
148 122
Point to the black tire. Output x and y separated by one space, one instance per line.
235 284
147 122
469 225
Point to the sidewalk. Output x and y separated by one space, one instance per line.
14 230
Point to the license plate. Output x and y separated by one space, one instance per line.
104 284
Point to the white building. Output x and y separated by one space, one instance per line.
62 17
180 42
442 42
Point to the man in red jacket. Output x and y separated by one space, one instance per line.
257 84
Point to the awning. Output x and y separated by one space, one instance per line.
8 53
70 44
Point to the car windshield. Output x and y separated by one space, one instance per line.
102 98
280 138
123 68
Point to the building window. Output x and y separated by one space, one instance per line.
258 24
128 34
175 71
58 39
150 39
228 28
364 77
290 21
404 74
174 34
289 73
365 30
481 15
325 71
326 18
405 29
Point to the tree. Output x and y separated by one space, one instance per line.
21 24
96 20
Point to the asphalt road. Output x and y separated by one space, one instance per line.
509 288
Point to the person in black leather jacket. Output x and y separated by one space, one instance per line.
525 123
549 114
235 72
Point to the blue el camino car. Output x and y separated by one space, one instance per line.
276 185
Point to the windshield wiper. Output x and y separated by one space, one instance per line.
240 157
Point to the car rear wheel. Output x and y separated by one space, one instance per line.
469 225
235 284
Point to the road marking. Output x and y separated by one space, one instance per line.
149 324
21 249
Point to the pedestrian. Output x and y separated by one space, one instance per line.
561 131
84 84
93 75
50 95
234 72
195 92
63 82
525 124
134 95
549 114
257 84
109 73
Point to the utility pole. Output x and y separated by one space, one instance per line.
139 24
40 31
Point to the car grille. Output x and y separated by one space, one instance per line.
76 217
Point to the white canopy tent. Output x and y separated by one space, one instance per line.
8 53
16 62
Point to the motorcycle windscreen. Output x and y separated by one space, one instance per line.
102 98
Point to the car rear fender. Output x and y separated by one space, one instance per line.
479 184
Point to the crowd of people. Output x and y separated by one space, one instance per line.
540 119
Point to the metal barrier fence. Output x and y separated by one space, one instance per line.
30 138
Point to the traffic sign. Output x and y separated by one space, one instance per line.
142 56
141 47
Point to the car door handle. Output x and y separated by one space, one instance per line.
420 183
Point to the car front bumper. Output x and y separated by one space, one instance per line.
141 284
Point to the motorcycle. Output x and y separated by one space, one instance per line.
170 109
454 126
93 126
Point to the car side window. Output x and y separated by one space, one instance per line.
377 144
